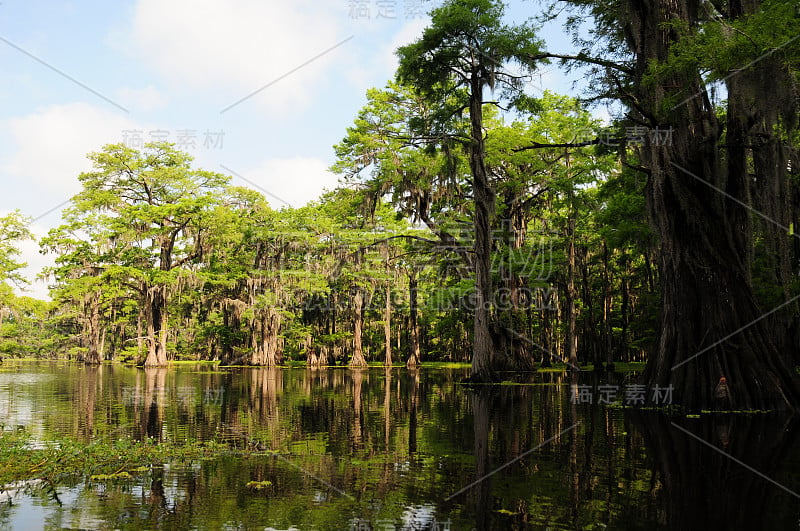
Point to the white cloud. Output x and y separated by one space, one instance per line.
382 62
408 33
295 180
143 99
50 147
239 46
48 152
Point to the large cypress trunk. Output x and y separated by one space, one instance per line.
93 330
358 361
265 330
710 326
231 351
155 311
484 207
387 327
414 358
572 335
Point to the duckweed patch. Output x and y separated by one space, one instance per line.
23 458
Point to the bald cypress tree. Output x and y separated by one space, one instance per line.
465 50
714 184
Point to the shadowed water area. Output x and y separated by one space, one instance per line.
340 449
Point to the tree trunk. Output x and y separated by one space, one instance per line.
624 349
608 329
139 335
592 343
231 323
414 356
93 357
483 193
515 345
358 361
155 311
546 331
710 324
323 358
572 337
266 329
387 327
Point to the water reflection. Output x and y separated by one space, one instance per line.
723 472
373 448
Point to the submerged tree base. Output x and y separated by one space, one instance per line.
476 380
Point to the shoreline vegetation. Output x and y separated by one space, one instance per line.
557 367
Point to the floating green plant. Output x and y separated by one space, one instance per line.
258 485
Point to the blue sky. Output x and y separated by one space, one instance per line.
141 69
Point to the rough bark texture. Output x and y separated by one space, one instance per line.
358 361
514 351
267 346
414 358
710 324
481 370
546 305
231 352
572 336
155 312
387 327
316 359
93 331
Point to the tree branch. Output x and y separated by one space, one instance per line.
538 145
583 58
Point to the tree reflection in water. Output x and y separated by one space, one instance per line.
697 487
379 446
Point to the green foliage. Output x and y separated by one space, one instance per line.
467 41
13 229
237 281
102 460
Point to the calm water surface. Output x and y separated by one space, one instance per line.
349 450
